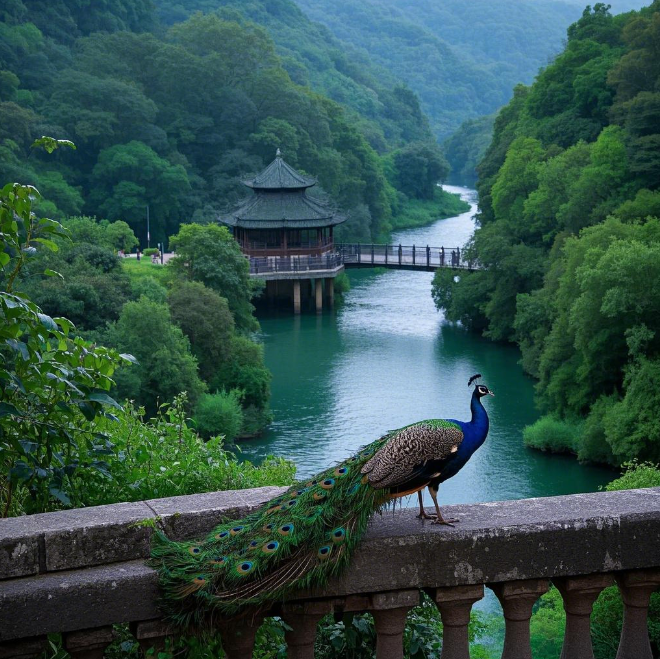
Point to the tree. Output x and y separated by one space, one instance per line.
210 255
419 168
165 365
205 318
120 236
127 177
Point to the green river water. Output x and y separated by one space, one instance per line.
386 358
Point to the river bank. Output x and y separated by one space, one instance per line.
416 213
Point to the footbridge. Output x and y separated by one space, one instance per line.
361 255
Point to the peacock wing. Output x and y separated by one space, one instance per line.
408 450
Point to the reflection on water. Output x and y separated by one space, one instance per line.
386 358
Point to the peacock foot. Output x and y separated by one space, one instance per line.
446 522
424 515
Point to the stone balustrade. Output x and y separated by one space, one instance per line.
79 572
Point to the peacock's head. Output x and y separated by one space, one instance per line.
480 390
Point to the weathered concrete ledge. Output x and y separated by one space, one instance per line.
84 569
48 542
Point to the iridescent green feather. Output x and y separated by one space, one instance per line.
298 539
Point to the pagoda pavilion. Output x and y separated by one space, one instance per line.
287 235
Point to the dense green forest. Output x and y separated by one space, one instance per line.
461 58
570 238
466 147
173 117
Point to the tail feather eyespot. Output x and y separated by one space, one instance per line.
218 560
286 529
328 483
270 547
194 551
268 528
319 496
338 535
236 530
324 552
253 545
245 567
341 471
199 581
222 535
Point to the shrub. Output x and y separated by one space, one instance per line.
553 434
636 475
151 288
165 457
220 414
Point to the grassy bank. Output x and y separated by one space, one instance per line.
420 212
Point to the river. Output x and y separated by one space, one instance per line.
387 358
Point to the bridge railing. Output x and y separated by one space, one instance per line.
366 255
79 572
423 256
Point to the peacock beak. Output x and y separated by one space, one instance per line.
490 392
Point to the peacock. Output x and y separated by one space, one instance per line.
308 534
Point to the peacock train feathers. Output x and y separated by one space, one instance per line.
307 534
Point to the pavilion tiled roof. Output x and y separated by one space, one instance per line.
282 209
280 176
280 200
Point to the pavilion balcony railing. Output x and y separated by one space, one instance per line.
294 264
79 572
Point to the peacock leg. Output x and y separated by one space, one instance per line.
440 519
422 513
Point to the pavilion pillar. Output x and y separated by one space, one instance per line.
330 292
319 295
296 296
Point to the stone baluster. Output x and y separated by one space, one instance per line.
88 643
303 619
151 634
390 611
636 588
238 635
455 604
579 594
517 599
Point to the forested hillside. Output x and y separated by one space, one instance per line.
387 113
172 117
570 239
461 58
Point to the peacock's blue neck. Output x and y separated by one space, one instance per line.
479 423
474 435
477 429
